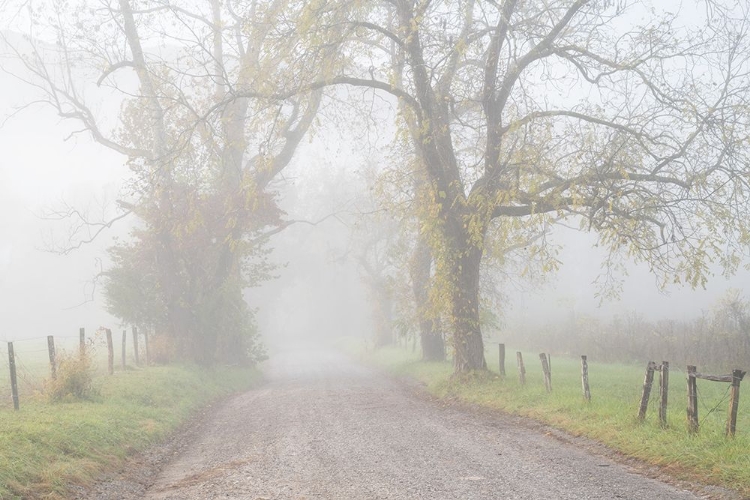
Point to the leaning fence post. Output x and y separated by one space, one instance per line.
585 378
13 379
110 353
521 368
648 381
82 342
734 400
135 345
692 408
545 371
501 357
663 392
52 361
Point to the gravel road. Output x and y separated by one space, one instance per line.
325 428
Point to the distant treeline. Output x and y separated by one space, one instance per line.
718 339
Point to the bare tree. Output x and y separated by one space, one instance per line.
202 153
572 111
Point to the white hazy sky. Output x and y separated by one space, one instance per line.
40 292
572 289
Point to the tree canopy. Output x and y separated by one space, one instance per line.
623 117
202 156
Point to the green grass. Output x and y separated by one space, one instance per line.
46 447
610 417
32 360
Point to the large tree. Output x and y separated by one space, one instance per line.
622 117
203 156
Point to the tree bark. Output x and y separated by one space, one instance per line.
468 346
433 345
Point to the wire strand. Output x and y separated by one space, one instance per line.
712 410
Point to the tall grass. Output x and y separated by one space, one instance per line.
33 366
47 447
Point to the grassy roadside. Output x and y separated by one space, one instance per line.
44 447
610 418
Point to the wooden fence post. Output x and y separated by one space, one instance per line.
135 345
663 392
124 348
549 369
13 379
501 357
52 360
648 381
110 353
692 408
82 342
734 400
521 368
585 378
545 372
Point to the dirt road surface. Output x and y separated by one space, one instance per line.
326 428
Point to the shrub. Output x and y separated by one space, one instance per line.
75 379
162 349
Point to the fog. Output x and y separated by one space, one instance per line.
318 287
573 289
319 292
43 292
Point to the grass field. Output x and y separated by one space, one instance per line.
46 447
33 366
610 417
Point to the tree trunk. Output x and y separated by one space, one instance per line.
383 314
468 345
433 345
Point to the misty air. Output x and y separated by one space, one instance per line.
384 249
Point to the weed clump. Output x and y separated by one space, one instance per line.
75 379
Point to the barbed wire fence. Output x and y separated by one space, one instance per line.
33 366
